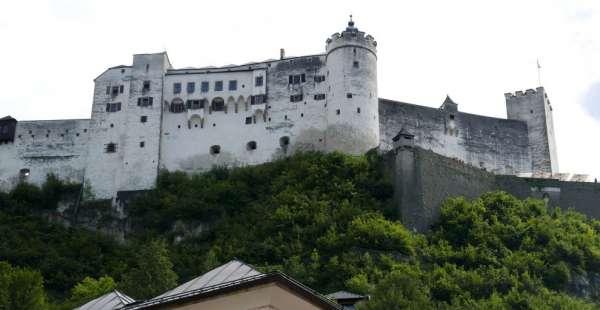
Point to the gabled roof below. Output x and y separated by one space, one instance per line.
232 271
110 301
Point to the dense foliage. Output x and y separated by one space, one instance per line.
327 220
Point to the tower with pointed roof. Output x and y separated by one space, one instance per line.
352 101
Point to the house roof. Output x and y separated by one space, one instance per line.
344 295
232 271
7 118
228 278
110 301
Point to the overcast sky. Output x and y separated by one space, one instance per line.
473 50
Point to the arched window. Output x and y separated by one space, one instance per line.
177 106
215 149
284 141
218 104
250 146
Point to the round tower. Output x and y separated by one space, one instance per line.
352 101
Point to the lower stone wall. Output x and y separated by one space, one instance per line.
424 180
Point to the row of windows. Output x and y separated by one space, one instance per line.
218 86
300 97
218 104
301 78
251 145
214 149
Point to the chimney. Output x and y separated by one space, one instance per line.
281 53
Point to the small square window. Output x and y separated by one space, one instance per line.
337 111
233 85
204 87
451 116
248 120
355 64
121 89
258 81
176 88
349 95
142 143
146 86
110 148
219 86
191 87
358 110
144 119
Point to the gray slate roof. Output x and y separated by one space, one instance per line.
344 295
110 301
234 270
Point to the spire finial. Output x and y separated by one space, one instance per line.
351 25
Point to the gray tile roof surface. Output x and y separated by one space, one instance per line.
344 295
234 270
110 301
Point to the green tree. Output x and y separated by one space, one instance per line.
89 289
153 272
21 288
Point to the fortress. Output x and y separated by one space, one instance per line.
150 116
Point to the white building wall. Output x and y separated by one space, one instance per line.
58 147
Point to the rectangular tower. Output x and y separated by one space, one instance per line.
533 107
125 128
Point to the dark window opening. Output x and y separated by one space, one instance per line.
248 120
284 141
319 97
451 116
146 86
258 81
176 88
113 107
204 87
177 106
337 111
115 90
251 145
191 87
142 144
143 118
24 172
319 78
349 95
147 67
215 149
258 99
219 86
112 125
195 104
145 101
108 90
218 104
285 117
358 110
297 78
121 89
531 111
301 114
355 64
296 98
233 85
110 148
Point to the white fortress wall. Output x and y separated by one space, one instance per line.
43 147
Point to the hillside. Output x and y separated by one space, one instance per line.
327 220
